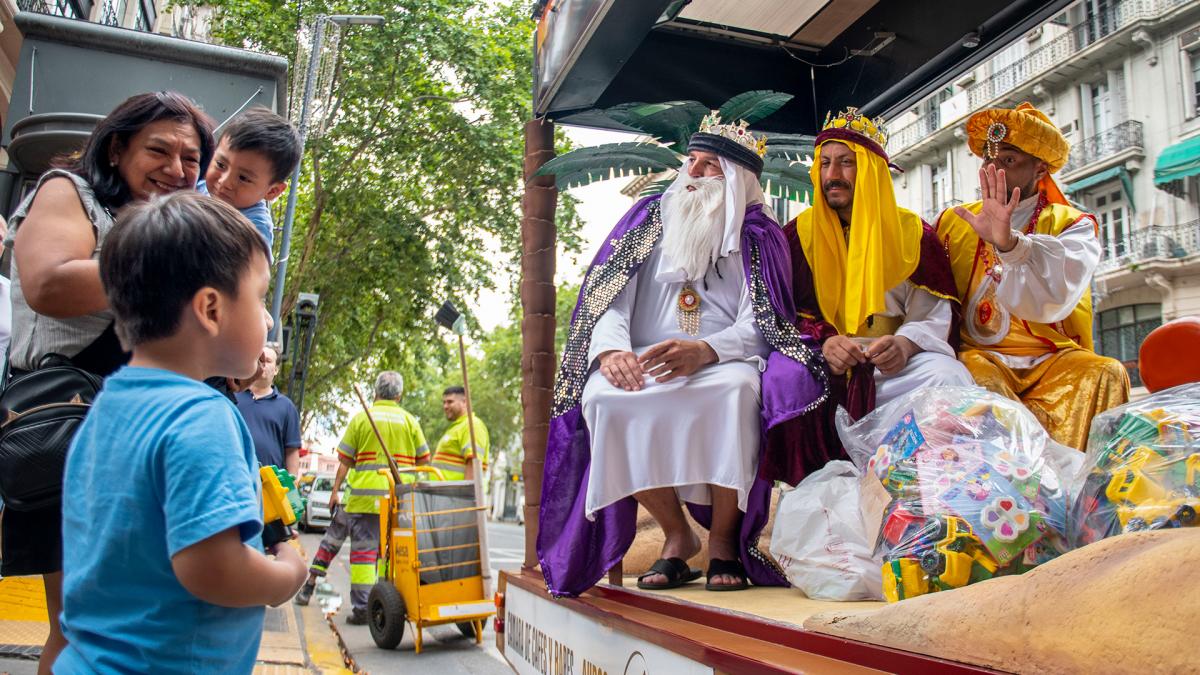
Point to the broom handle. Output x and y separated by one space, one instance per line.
477 473
378 436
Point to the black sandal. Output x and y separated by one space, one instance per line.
733 568
676 571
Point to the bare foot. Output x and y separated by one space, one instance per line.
683 546
723 549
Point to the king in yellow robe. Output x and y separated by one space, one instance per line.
1023 261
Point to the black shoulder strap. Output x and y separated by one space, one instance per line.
104 355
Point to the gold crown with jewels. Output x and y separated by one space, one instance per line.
855 121
738 133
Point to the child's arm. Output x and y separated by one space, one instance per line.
223 571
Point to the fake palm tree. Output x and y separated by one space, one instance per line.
671 124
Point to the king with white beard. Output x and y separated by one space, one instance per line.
672 394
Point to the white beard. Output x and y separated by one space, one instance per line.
693 224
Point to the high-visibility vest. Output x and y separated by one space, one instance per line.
402 434
454 449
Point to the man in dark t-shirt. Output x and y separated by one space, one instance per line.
272 417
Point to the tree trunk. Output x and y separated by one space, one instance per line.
537 323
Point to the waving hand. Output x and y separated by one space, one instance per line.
993 223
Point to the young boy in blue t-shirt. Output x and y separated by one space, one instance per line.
163 569
256 154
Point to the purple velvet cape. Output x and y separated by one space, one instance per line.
575 552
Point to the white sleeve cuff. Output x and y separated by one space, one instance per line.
598 348
1019 253
924 340
727 344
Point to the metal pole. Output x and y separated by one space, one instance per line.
485 563
285 243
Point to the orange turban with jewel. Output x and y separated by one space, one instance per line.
1027 129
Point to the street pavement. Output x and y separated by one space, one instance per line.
445 651
295 640
14 666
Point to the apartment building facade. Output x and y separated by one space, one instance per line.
1121 79
142 15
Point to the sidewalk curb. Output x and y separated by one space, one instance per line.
326 651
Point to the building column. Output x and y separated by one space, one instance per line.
1164 286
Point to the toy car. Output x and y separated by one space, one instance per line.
945 556
958 558
903 578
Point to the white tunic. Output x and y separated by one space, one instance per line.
1044 276
691 432
926 321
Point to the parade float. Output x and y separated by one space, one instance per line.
988 584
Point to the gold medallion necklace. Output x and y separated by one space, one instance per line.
687 310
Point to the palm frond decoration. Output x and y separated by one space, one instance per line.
793 146
657 187
673 122
612 160
786 178
785 165
753 106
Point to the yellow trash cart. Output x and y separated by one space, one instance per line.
429 551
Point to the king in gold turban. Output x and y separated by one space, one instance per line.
1023 260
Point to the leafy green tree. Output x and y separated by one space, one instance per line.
671 124
411 187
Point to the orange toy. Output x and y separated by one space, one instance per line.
1170 354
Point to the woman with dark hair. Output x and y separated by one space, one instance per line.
150 144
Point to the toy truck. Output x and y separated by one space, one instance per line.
282 504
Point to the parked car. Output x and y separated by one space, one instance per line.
316 514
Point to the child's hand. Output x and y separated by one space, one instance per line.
286 554
221 570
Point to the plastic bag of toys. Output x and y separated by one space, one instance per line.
974 488
1142 470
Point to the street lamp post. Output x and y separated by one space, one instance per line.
285 243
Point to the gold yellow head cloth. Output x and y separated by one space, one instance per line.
853 277
1027 129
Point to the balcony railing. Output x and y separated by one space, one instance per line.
110 12
1154 242
65 8
1079 37
58 7
1124 136
924 126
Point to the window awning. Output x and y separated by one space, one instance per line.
1175 163
1104 176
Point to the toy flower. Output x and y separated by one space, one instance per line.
1012 466
1005 519
881 461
